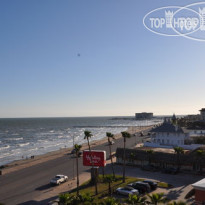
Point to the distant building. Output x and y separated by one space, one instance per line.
202 111
143 115
193 118
199 188
195 132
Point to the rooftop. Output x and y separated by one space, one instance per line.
168 127
200 184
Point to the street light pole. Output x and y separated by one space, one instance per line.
73 159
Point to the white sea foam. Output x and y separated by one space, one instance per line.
59 137
14 134
4 147
15 139
23 144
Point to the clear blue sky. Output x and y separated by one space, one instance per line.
123 68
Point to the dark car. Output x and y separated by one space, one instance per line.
141 186
152 184
170 170
149 168
79 154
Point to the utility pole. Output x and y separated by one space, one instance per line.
135 137
73 158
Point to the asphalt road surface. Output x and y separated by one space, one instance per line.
22 186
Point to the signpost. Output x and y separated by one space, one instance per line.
98 158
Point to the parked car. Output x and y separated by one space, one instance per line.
58 179
170 170
152 184
149 168
126 191
141 186
79 154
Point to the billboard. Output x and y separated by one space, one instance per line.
98 158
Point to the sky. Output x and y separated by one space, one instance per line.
68 58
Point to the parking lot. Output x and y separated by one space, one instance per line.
181 182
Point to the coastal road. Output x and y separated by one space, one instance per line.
23 186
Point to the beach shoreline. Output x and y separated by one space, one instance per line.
38 159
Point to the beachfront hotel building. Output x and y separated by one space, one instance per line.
202 111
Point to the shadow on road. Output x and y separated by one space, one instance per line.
45 186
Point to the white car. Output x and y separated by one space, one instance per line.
58 179
126 191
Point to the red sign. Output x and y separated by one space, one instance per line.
98 158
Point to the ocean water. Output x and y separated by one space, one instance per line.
22 138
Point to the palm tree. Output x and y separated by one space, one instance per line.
132 157
77 150
125 135
65 199
150 153
200 153
179 151
110 201
110 136
109 179
85 198
157 198
88 135
135 199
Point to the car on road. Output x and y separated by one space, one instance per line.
170 170
141 186
152 184
79 153
126 191
149 168
58 179
111 142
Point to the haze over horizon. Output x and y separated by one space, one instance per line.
94 58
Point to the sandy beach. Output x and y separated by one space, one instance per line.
21 164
